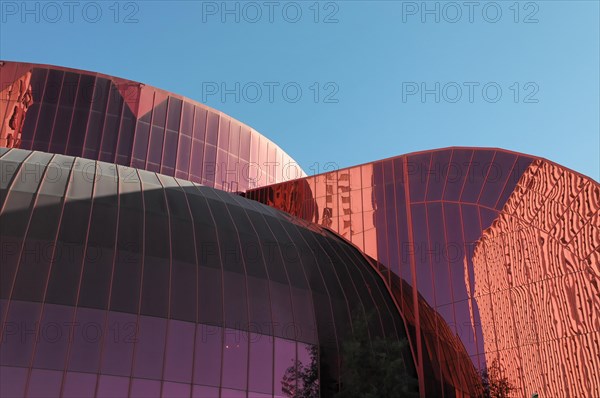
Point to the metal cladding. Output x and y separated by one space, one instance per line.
127 269
420 217
117 281
95 116
536 284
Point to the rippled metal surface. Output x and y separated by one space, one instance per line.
537 284
419 216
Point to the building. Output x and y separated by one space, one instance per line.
153 246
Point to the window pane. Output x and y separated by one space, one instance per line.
17 377
207 358
44 383
175 390
150 347
285 356
141 388
261 363
179 351
79 385
19 335
113 386
55 330
204 392
119 341
235 359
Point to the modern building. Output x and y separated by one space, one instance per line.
153 246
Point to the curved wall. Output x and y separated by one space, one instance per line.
421 215
537 272
95 116
123 282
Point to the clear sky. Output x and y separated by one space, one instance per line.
377 78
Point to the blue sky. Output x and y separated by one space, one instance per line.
517 75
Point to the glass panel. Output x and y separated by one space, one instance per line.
66 270
498 175
55 330
142 137
128 266
150 347
225 393
235 359
17 377
112 386
121 335
159 114
88 328
126 137
79 385
421 253
207 358
281 307
179 351
437 254
98 266
183 156
285 356
210 290
477 173
175 390
141 388
204 391
44 383
187 119
417 171
19 333
261 363
234 138
223 139
212 128
245 136
174 115
456 175
235 300
438 171
260 314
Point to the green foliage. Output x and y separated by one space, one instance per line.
300 380
371 368
494 384
374 368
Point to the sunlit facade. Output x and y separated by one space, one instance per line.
153 246
537 272
94 116
421 217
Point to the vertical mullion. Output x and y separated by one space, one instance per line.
168 320
415 295
56 112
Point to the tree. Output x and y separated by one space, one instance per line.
495 385
374 368
300 380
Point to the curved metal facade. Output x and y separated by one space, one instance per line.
421 215
537 270
128 270
100 117
123 282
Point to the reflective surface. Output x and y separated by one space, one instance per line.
536 284
118 280
94 116
421 215
123 282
